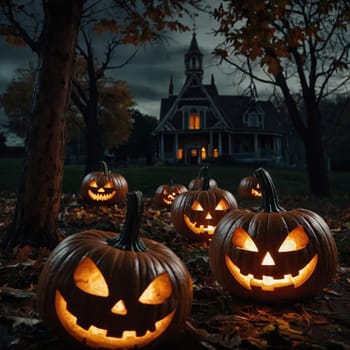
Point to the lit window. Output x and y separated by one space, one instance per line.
203 153
180 153
194 122
215 153
194 152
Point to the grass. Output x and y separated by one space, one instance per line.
147 179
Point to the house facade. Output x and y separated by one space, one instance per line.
200 125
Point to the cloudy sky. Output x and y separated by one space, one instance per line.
148 74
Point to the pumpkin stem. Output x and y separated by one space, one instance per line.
205 174
268 191
129 238
105 167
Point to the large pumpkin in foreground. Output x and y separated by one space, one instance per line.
108 291
195 214
103 187
275 253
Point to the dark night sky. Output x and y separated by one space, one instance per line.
148 74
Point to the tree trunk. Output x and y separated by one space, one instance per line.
314 151
94 147
41 183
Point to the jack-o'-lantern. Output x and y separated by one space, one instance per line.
274 253
249 188
104 187
166 193
197 183
108 291
195 214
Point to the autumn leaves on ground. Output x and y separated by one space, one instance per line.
218 320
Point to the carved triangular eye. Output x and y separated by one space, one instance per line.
197 206
89 278
296 239
157 291
108 184
93 184
242 240
222 205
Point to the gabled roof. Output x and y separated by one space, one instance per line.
193 89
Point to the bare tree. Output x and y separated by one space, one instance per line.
292 43
53 38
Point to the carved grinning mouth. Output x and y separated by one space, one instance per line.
101 196
268 283
97 338
198 228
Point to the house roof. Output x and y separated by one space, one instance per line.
230 107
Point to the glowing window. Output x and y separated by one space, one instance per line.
194 122
194 152
203 153
180 153
215 153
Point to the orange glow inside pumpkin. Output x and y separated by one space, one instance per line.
255 192
297 239
198 227
88 278
99 193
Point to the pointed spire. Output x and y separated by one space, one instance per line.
194 59
171 86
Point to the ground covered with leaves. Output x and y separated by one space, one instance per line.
218 320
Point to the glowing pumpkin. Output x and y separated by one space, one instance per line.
108 291
195 214
197 183
249 188
104 187
166 193
274 253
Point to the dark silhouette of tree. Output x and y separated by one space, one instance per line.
141 142
53 37
287 44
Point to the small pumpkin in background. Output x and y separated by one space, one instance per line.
196 213
197 183
166 193
102 290
249 188
273 253
103 187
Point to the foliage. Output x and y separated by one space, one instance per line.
288 44
218 320
17 99
141 143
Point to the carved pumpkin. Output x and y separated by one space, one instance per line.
197 183
195 214
166 193
104 187
274 253
249 188
109 291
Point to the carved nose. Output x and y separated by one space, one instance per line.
268 260
208 216
101 190
119 308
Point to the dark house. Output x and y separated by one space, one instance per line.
198 124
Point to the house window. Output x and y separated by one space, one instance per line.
215 153
194 152
180 153
253 119
194 121
203 153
